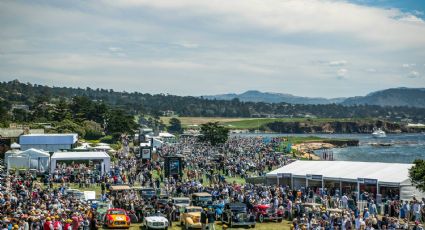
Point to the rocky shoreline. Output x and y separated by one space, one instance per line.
307 149
346 127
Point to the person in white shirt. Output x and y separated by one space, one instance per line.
358 222
417 211
344 200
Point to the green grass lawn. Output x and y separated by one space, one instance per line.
251 123
256 123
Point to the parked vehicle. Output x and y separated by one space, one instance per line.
191 217
179 203
161 203
201 199
101 209
145 193
235 214
266 212
117 218
155 221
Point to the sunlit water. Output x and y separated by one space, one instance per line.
405 148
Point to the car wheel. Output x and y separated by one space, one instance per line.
253 226
279 220
261 218
230 223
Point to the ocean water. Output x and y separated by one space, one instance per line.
405 148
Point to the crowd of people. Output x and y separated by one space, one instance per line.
26 202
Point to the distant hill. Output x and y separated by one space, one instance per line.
413 97
42 102
267 97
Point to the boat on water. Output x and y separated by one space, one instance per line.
379 133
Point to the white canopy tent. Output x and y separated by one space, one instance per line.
385 174
78 156
29 159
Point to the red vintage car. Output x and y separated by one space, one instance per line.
266 212
117 218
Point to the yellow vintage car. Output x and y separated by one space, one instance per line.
191 217
117 218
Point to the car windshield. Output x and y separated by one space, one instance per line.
102 205
238 209
181 201
204 198
116 212
148 192
194 210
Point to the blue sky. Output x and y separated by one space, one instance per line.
323 48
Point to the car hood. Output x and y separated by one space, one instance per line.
194 214
155 219
182 205
119 217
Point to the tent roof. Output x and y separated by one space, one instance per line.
349 170
164 134
15 145
48 139
79 155
35 153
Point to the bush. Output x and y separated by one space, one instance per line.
107 139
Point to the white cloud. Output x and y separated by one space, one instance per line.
188 45
115 49
341 73
389 27
338 63
192 46
411 18
413 74
408 65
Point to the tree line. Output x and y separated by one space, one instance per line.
39 97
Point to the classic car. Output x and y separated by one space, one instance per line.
155 221
201 199
266 212
117 218
145 193
191 217
235 214
161 202
102 208
179 203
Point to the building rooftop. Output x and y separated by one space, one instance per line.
48 139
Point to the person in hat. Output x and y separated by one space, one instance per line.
211 219
57 225
204 218
48 225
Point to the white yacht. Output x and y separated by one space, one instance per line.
379 133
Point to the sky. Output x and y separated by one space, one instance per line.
323 48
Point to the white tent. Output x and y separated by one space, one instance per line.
17 162
29 159
384 174
15 146
78 156
39 159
